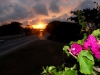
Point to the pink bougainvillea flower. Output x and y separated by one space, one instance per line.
96 51
95 48
86 45
93 44
97 55
91 40
75 49
99 44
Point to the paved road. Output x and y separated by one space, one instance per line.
30 58
10 45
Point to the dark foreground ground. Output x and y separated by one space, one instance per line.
29 59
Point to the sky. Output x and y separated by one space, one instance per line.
30 12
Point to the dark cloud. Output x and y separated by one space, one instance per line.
15 11
40 9
4 2
29 3
60 18
37 0
25 23
35 21
4 10
86 4
24 10
64 0
54 6
46 20
21 12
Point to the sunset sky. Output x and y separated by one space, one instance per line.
34 11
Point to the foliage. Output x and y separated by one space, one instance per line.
52 70
91 16
86 62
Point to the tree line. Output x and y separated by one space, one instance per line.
15 28
12 28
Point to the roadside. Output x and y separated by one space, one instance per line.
11 36
10 45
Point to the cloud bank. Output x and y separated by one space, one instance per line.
44 10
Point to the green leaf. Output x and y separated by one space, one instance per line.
44 74
96 32
85 36
86 62
70 72
51 68
58 73
54 71
44 71
83 25
71 43
63 65
80 22
66 50
74 67
47 68
80 42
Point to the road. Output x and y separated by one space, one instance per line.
31 57
10 45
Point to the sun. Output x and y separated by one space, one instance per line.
39 26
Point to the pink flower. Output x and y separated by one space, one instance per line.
96 51
97 55
86 45
91 40
75 49
93 44
98 43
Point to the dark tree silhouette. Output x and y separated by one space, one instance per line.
27 30
64 31
12 28
91 16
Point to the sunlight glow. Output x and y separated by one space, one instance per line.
39 26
